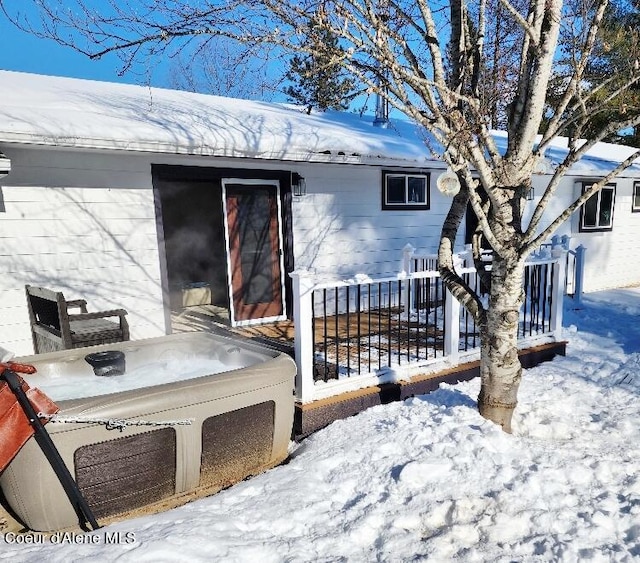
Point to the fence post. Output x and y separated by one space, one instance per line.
303 333
577 294
559 275
467 256
407 254
451 328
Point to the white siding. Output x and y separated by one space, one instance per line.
82 224
612 257
340 228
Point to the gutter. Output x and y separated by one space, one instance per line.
328 156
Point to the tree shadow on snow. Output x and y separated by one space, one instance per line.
448 397
609 320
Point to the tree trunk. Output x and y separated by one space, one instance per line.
500 368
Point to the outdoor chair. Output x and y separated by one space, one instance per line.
53 327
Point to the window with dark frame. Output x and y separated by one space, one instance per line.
596 214
405 190
635 202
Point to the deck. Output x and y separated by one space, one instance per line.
313 416
342 342
278 335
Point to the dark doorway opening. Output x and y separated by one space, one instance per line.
471 222
191 230
194 242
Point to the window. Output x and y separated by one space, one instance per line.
597 212
635 203
403 190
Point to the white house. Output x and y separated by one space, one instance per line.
608 226
138 197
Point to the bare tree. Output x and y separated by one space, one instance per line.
226 68
503 38
427 58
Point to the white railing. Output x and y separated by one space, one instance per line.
414 261
362 332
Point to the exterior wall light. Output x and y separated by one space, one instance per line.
298 185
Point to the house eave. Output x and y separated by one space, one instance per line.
295 154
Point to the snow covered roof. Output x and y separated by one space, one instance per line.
69 112
47 110
598 160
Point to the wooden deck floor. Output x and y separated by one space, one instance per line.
342 343
278 335
313 416
206 317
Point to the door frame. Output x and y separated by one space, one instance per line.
232 312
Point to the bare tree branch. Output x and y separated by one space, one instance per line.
456 284
556 125
597 186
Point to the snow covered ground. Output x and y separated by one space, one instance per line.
429 479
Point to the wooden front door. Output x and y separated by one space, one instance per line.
255 256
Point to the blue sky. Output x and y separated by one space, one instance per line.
23 52
20 51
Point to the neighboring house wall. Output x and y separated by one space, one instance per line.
612 257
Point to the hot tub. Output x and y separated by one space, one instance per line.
238 398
